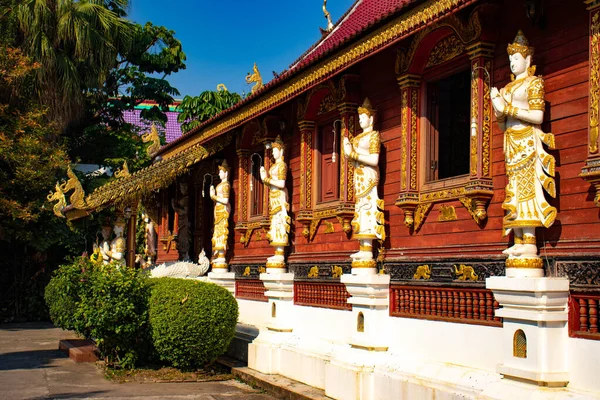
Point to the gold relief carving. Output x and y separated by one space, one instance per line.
262 269
302 169
314 272
246 271
486 125
336 271
255 78
414 109
474 115
423 272
328 103
447 213
524 263
397 28
404 143
259 236
123 172
420 215
465 32
594 77
446 49
77 199
153 137
476 206
465 273
343 163
329 227
308 175
364 264
259 135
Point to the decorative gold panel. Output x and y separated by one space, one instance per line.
447 213
520 344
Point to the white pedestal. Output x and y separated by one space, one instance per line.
539 308
224 279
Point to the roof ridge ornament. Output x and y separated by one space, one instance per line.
255 77
328 18
153 137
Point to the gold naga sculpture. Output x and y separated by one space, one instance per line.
123 172
255 77
153 137
62 202
77 199
327 17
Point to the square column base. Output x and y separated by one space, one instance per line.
224 279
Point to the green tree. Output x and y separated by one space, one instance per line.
195 110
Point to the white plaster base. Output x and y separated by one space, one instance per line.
224 279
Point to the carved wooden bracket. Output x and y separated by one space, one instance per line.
408 202
247 229
591 173
478 194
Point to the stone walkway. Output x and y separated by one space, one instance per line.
31 367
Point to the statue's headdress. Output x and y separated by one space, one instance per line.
224 166
120 222
366 108
520 45
278 143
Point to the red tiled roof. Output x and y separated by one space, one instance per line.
362 15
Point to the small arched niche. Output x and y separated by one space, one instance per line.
273 310
520 344
360 322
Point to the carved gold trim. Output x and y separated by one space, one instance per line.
444 50
594 80
404 141
364 264
441 195
401 26
414 110
423 272
524 263
474 115
421 214
486 125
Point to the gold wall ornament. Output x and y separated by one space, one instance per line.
396 29
336 271
423 272
262 269
465 273
591 173
246 271
465 32
404 142
446 49
420 214
77 199
474 116
328 227
440 195
154 140
524 263
255 77
314 272
414 110
447 213
327 17
594 78
59 195
123 172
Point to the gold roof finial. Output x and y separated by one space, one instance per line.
255 77
327 17
366 108
520 45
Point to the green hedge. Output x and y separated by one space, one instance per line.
192 322
62 294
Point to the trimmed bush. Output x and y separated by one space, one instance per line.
107 303
62 294
192 323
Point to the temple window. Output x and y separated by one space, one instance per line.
447 126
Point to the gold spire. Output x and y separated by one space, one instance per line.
520 45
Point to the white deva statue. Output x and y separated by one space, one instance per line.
118 245
220 196
368 223
278 205
519 109
105 245
150 249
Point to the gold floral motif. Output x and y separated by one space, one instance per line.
486 125
446 49
302 170
395 29
329 227
423 272
351 134
343 163
404 143
447 213
445 194
336 271
364 264
594 77
465 273
314 272
414 109
328 103
308 176
420 215
474 115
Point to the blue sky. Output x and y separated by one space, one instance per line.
223 39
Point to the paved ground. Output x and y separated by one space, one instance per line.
31 367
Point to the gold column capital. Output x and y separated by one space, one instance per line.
481 49
592 4
305 125
408 80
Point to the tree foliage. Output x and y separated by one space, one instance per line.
195 110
